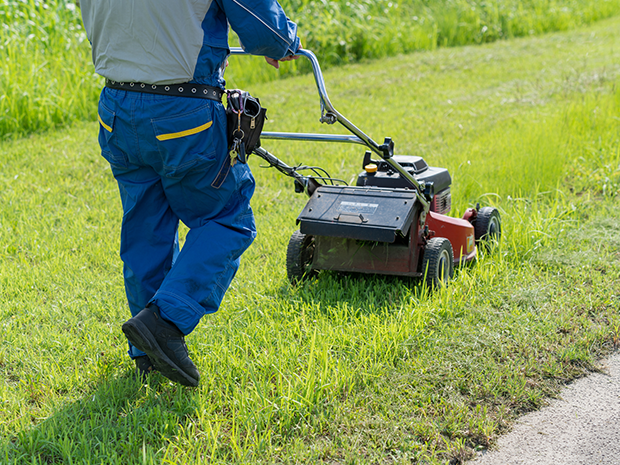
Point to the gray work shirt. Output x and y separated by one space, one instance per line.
152 41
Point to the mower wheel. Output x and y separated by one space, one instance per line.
299 257
438 262
488 227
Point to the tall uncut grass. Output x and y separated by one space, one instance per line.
348 31
47 80
45 76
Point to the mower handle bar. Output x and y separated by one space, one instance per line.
330 115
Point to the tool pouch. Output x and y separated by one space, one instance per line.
245 118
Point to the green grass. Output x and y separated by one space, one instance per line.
47 79
343 369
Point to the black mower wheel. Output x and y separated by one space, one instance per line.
299 255
438 262
488 227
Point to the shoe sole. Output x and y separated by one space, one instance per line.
143 339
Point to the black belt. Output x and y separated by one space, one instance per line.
176 90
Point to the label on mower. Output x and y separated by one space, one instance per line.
357 207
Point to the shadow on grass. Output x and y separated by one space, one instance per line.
340 286
364 293
119 422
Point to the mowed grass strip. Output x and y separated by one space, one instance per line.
342 369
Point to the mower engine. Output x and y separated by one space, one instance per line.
379 173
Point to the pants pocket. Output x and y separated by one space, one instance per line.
186 141
107 137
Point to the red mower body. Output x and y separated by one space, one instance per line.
378 231
460 233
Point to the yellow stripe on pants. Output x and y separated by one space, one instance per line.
106 127
188 132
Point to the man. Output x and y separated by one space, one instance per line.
163 131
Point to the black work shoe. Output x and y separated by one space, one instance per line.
144 367
164 344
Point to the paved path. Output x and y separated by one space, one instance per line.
580 427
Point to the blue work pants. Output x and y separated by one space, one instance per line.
169 156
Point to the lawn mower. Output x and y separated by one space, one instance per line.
392 222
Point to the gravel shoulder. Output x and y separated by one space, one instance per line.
580 427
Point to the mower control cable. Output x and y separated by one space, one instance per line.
307 184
